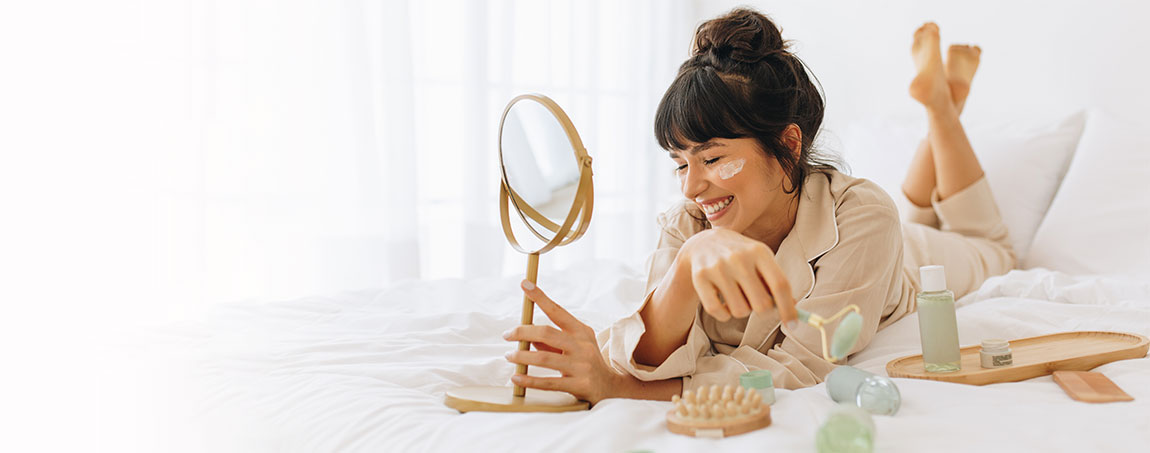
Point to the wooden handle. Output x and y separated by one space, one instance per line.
528 314
1090 387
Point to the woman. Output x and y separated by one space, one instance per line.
767 225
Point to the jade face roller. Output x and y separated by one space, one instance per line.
846 335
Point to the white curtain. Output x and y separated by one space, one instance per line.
164 154
606 63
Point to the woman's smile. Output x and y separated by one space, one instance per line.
714 210
737 186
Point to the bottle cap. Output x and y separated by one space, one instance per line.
933 278
758 379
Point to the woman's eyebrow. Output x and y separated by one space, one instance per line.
699 148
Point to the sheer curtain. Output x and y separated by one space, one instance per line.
606 63
162 155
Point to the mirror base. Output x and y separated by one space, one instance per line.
501 399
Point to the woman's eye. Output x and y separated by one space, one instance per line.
705 162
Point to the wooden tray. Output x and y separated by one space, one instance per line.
1033 357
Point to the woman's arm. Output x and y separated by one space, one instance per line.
730 274
633 388
668 315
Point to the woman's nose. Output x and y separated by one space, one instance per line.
693 182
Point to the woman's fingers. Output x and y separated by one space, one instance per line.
780 289
538 358
547 335
736 303
565 384
545 347
571 351
559 315
755 290
709 297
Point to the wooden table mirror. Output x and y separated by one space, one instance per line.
546 179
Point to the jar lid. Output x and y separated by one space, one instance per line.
758 379
995 344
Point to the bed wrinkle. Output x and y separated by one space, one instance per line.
364 377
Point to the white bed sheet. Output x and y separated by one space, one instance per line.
366 371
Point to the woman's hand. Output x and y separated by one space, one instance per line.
734 274
571 349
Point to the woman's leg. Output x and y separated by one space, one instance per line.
972 242
945 159
961 64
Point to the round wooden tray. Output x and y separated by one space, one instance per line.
1033 357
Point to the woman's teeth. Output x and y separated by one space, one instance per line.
713 208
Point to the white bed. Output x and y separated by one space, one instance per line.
367 371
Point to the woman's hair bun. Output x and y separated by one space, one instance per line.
742 35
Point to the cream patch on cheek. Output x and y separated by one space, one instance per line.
730 169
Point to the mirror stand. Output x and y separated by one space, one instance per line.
515 399
556 128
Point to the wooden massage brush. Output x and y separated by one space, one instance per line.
718 412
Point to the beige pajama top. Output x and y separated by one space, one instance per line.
847 246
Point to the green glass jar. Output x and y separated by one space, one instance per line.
759 381
848 429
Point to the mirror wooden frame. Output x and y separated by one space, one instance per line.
517 398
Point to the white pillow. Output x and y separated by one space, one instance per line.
1024 166
1099 222
1024 161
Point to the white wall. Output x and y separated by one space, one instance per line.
1038 56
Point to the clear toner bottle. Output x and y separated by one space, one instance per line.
937 323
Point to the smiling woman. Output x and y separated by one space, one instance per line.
768 226
750 204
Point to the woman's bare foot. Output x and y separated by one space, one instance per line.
929 86
961 64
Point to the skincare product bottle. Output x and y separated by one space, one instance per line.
937 323
847 429
759 381
996 353
875 394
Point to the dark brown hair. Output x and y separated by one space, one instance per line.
742 82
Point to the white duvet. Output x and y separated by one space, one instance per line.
367 371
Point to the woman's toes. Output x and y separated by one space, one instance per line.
962 62
929 85
963 51
926 31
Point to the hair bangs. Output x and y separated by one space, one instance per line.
697 107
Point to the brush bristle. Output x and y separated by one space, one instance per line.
717 403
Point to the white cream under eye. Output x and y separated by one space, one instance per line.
730 169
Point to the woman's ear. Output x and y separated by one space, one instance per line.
793 138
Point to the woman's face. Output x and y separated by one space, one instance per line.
737 186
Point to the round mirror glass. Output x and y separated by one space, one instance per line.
539 165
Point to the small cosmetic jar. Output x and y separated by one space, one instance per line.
996 353
759 381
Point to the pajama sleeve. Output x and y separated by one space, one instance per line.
618 342
860 263
864 268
